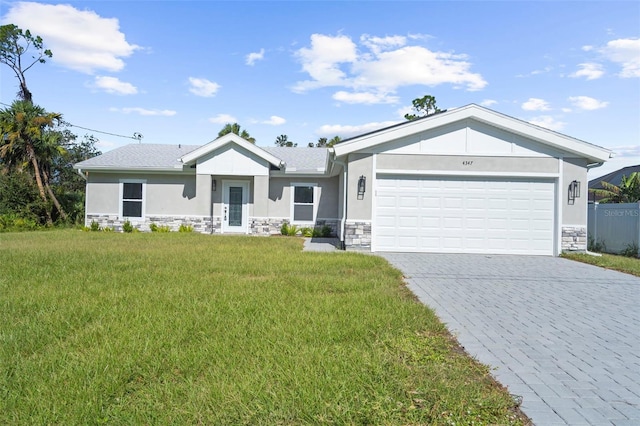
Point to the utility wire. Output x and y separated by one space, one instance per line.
136 136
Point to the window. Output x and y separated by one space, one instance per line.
132 199
304 197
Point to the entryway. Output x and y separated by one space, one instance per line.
235 206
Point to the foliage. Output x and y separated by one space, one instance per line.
627 192
283 141
195 329
423 107
628 265
595 246
95 226
235 128
307 232
324 143
288 229
631 250
326 231
127 227
11 223
185 228
14 44
161 228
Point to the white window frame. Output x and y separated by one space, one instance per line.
121 200
313 185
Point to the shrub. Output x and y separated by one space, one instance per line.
631 250
307 232
95 226
185 228
107 229
326 231
595 246
153 227
127 227
287 229
14 222
164 228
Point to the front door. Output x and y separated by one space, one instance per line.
234 206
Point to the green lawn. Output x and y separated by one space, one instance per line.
629 265
192 329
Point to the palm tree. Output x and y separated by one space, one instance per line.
24 128
283 141
627 192
235 128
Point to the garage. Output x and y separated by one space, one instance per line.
448 214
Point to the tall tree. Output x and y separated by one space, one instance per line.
25 140
324 143
235 128
14 45
283 141
627 192
423 107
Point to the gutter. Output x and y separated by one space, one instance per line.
81 174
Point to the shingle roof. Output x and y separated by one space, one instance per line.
614 178
166 157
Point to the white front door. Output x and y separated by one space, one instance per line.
234 206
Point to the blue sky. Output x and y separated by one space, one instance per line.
176 71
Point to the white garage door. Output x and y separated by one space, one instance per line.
471 215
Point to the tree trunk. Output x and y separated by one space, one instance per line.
53 197
36 171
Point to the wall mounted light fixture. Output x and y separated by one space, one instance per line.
362 186
574 191
213 184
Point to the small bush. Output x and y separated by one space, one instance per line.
107 229
164 228
127 227
95 226
13 222
185 228
326 231
307 232
287 229
631 250
595 246
153 227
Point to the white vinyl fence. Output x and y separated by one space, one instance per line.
614 228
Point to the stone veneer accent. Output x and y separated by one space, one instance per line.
272 226
357 235
574 238
199 223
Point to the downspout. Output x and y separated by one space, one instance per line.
591 166
344 200
86 194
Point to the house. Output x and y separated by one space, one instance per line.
468 180
614 178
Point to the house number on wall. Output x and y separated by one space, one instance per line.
467 163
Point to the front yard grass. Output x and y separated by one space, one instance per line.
629 265
192 329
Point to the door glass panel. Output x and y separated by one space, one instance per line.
235 206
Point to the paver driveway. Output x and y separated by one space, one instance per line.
563 335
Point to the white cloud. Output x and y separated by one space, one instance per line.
625 52
627 151
587 103
347 131
203 87
589 70
114 85
144 111
380 66
223 119
80 40
255 56
548 122
535 104
364 98
488 102
587 48
274 120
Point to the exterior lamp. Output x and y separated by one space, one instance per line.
213 185
574 191
362 186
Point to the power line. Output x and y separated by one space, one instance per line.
136 135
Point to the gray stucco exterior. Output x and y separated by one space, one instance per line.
341 187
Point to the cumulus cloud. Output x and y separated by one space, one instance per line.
114 85
223 119
626 53
587 103
203 87
488 102
548 122
144 111
536 104
364 98
378 66
80 40
347 131
589 70
251 58
274 120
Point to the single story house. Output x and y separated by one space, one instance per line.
614 178
467 180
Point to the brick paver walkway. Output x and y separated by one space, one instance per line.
563 335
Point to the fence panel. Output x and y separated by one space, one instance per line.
614 228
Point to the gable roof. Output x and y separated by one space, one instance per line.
481 114
143 157
614 177
301 160
230 138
